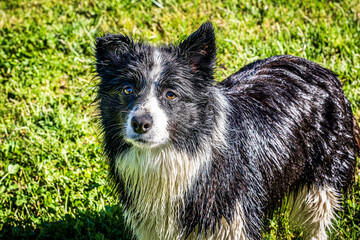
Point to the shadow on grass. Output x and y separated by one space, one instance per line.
106 224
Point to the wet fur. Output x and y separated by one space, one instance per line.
279 126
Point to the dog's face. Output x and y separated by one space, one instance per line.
151 96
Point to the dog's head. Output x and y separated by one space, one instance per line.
152 96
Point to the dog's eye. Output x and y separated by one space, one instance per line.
127 90
170 95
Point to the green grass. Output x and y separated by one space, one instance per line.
53 179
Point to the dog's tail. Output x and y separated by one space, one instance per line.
356 133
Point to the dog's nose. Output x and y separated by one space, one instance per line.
141 124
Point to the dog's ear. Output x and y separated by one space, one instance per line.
111 50
200 48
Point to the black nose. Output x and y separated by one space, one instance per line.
141 124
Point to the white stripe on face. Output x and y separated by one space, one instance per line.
158 133
157 68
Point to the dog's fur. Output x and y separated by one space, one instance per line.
218 158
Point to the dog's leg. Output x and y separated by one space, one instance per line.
313 209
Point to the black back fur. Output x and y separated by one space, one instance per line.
291 126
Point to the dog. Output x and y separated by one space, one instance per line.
192 158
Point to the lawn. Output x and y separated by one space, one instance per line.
53 177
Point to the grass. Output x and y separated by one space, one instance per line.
53 179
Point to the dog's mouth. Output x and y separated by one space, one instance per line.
143 142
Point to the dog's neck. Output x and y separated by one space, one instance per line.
162 170
157 179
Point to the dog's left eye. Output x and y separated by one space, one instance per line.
128 91
170 95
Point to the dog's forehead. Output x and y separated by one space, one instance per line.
156 66
147 66
152 65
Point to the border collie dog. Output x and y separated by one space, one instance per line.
196 159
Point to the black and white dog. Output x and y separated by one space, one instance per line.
195 159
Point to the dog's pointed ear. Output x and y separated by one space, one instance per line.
200 48
111 50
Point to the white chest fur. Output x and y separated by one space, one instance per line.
157 180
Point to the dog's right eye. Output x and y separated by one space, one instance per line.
128 90
170 95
